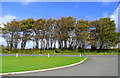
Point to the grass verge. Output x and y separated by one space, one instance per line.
28 63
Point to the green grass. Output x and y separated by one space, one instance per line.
27 63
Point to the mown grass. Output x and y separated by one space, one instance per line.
27 63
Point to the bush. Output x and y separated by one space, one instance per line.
118 49
81 50
7 51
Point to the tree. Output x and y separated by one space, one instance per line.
65 31
11 33
26 31
82 33
50 24
106 33
38 31
65 26
93 35
6 35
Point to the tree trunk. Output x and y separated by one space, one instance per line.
101 45
37 43
11 45
93 47
11 42
23 44
65 46
7 44
41 43
54 44
60 45
15 45
51 44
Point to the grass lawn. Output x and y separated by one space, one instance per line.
27 63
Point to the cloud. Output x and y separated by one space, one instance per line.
114 16
119 18
7 18
27 2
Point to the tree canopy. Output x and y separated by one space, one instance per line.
66 32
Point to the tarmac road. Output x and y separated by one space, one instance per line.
94 66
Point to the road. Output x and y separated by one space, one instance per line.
94 66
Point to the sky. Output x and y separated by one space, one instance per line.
80 10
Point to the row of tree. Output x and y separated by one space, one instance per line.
66 32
